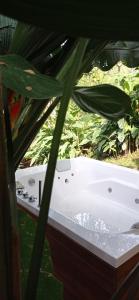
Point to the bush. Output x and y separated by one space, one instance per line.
77 137
89 134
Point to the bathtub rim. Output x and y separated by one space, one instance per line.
56 221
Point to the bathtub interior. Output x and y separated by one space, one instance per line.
116 190
81 194
95 212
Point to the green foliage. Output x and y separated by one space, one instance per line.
83 134
76 138
91 135
123 136
107 100
37 51
114 138
18 75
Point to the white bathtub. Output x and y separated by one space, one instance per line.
93 202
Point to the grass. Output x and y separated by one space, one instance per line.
49 287
129 160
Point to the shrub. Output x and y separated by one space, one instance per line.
77 137
92 135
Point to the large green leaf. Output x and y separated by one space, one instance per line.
121 136
106 100
15 60
19 75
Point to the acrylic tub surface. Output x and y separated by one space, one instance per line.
94 203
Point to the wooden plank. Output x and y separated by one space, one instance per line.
84 275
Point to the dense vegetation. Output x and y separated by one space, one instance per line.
90 134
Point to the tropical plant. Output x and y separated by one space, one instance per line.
114 138
29 97
92 135
76 139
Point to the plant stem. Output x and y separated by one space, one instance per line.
33 277
31 134
9 262
20 141
4 284
15 249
